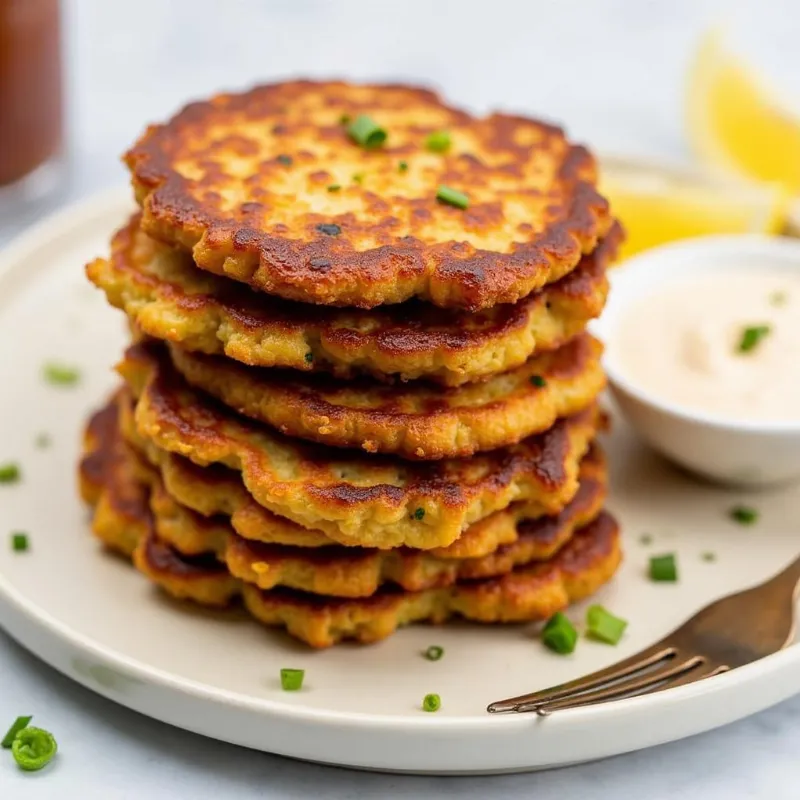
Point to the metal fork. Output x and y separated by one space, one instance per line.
729 633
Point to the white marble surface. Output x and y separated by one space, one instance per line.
612 71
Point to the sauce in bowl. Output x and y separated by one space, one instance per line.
725 343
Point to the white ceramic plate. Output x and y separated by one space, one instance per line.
100 623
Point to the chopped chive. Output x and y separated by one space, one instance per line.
438 142
431 702
33 748
709 556
744 515
645 538
538 381
42 440
19 724
10 473
664 568
292 679
285 160
752 336
19 542
452 197
309 357
434 652
778 299
344 119
419 513
603 625
403 166
334 187
60 374
559 634
358 177
365 131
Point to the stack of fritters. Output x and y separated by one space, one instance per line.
348 401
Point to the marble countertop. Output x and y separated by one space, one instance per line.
612 71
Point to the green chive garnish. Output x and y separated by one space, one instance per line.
19 542
42 440
403 166
751 337
10 473
664 568
334 187
438 142
365 131
358 177
285 160
61 375
778 298
434 652
292 679
309 357
538 381
33 748
559 634
452 197
344 119
431 702
419 513
19 724
744 515
645 538
709 556
603 625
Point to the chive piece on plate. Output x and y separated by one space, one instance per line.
744 515
365 131
709 556
10 473
452 197
664 568
752 336
403 166
292 679
285 160
334 187
603 625
19 724
33 748
645 538
438 142
434 652
538 381
42 440
559 634
61 374
19 542
431 702
419 513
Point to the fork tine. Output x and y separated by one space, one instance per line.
622 669
684 671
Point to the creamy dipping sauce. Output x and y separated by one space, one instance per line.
725 343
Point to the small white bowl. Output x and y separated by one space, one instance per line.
744 453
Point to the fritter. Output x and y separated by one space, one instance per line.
124 521
333 569
416 421
166 297
244 181
368 500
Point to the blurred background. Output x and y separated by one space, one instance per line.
639 79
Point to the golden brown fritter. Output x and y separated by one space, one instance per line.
165 296
124 522
333 569
373 501
243 181
416 421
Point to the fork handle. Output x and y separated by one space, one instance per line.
789 577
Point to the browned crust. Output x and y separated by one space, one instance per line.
364 500
167 298
395 240
415 421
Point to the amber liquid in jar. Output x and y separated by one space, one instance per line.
31 114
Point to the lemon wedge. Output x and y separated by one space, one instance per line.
658 203
735 123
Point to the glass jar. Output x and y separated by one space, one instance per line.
31 101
